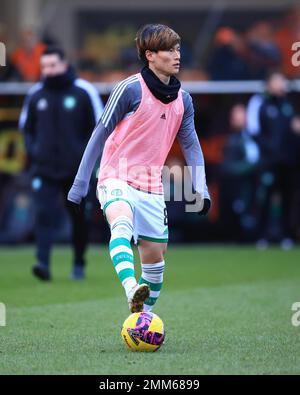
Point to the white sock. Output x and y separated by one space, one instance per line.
152 274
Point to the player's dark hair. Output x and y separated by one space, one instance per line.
155 37
52 50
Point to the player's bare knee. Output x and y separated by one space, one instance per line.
164 249
151 252
152 259
117 209
122 226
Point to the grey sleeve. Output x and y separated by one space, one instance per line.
92 152
190 146
121 102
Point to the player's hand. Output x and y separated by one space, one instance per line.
206 207
77 192
74 207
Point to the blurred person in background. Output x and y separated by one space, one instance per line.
8 72
262 52
274 125
26 57
296 179
227 59
57 119
239 168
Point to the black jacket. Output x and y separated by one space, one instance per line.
276 139
57 119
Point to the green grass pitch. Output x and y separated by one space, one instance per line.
227 310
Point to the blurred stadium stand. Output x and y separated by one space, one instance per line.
98 37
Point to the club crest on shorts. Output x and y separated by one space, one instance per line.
117 192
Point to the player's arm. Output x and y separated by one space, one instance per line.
122 101
92 152
94 104
191 149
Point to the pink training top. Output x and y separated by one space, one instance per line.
138 147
